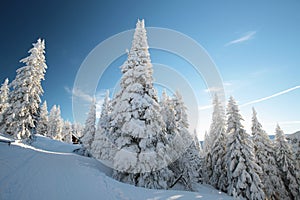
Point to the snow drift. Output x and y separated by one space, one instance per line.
49 170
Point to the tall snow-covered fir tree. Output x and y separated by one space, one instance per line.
182 148
206 143
138 129
265 157
242 170
214 146
4 91
42 123
197 141
286 164
217 168
67 132
174 139
168 113
89 127
24 99
102 148
218 123
55 124
181 116
189 161
171 118
206 158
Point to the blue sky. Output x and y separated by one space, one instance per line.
254 44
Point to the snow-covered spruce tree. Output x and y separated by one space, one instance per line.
217 153
175 145
189 165
181 116
242 170
265 157
206 143
214 166
197 141
207 168
67 132
102 148
77 130
219 177
24 99
218 123
206 158
168 114
137 126
189 161
4 91
55 124
286 164
199 154
175 141
89 127
42 123
183 150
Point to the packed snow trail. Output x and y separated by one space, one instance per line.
29 173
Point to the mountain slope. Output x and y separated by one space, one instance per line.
31 173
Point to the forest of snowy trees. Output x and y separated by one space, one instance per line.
145 139
22 114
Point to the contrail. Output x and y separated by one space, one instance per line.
272 96
246 37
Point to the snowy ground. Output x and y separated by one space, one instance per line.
49 170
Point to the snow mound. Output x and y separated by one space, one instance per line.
5 139
47 144
34 174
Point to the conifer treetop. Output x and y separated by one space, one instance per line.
234 117
138 59
37 57
4 92
137 127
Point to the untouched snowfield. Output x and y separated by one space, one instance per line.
49 170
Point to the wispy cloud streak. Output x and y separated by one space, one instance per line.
80 94
205 107
289 122
272 96
259 100
99 97
246 37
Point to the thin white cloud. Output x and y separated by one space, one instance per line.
99 96
272 96
218 89
205 107
80 94
246 37
213 89
227 83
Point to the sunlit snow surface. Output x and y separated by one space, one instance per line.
49 170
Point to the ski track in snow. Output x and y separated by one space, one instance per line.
30 173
